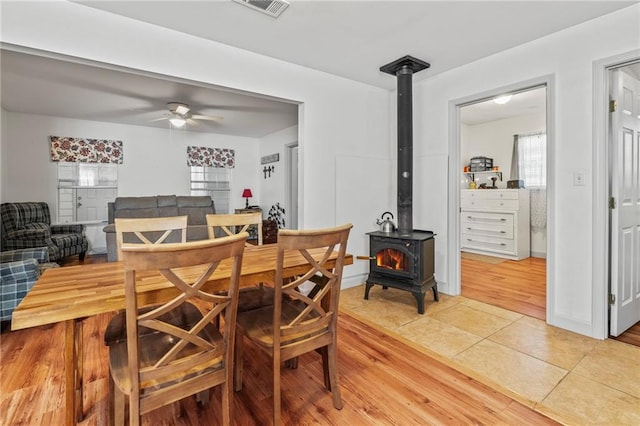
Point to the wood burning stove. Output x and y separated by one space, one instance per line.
402 261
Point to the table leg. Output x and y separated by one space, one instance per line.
73 371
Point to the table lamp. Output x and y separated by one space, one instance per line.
246 193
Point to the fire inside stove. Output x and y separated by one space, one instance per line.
392 259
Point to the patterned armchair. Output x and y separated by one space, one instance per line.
28 225
19 271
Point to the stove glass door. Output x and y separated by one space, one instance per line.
392 259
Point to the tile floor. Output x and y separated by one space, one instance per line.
569 377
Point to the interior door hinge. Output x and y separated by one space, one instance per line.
612 203
612 299
613 106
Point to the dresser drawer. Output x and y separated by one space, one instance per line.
470 217
490 194
488 229
486 243
490 204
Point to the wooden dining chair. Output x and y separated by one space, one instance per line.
168 362
298 323
229 224
146 231
155 230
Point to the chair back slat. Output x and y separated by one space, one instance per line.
149 230
230 224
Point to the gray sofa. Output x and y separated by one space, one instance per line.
196 207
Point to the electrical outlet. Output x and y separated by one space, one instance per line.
579 178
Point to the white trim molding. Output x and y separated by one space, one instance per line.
600 263
453 232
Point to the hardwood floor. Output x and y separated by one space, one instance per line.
383 382
631 336
519 286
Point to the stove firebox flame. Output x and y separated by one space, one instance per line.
391 259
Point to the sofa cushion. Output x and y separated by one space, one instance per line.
167 211
137 213
123 203
197 208
194 201
167 201
197 232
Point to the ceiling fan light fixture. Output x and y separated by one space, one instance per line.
501 100
177 122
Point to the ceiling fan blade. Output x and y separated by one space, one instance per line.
192 122
207 117
159 119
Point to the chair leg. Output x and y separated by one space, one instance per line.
333 376
227 402
81 256
277 402
237 363
291 363
111 402
203 398
116 404
324 352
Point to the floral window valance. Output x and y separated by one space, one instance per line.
78 150
213 157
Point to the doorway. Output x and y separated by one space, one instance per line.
624 195
502 242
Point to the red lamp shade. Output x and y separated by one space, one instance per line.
246 193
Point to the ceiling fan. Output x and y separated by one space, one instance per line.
180 114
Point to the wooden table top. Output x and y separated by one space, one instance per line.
72 292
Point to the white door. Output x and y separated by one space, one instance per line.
625 212
91 203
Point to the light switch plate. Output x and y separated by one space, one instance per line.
579 178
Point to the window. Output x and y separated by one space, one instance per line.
84 189
532 159
214 182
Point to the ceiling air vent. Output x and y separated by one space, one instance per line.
270 7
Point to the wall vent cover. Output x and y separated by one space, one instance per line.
270 7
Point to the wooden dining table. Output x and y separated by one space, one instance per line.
71 294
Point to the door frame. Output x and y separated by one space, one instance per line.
453 231
291 196
601 231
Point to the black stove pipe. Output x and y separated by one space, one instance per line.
403 69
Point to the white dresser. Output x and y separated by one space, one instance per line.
495 222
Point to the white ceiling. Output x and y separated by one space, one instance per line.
523 103
351 39
354 38
44 86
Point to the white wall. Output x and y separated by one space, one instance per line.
338 117
495 140
273 187
568 56
155 160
